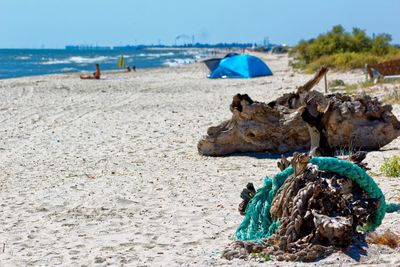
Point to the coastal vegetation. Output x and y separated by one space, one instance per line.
340 86
342 50
391 167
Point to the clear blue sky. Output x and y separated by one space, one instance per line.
55 23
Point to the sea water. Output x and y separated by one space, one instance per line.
29 62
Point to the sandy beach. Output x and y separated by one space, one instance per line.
106 172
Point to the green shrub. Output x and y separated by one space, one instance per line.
391 167
336 83
342 50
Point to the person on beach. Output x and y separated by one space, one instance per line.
96 74
128 69
134 68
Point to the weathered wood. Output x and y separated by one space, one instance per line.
359 122
326 84
313 118
295 100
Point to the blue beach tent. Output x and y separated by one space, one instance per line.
240 66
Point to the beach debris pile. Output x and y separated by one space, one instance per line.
319 211
361 122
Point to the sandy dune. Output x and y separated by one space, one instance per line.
107 172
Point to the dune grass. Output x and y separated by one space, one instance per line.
349 89
393 97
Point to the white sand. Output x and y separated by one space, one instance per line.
107 172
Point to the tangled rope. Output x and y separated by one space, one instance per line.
258 224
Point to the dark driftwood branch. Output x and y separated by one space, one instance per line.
313 82
295 100
316 128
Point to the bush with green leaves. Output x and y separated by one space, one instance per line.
391 167
342 50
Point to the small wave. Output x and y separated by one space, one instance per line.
156 55
196 54
55 61
77 60
86 60
68 69
23 57
177 62
190 52
163 54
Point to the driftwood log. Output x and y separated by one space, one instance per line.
348 122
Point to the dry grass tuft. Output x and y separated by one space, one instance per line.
393 97
388 238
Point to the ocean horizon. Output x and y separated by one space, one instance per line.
31 62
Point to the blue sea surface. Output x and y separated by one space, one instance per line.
29 62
